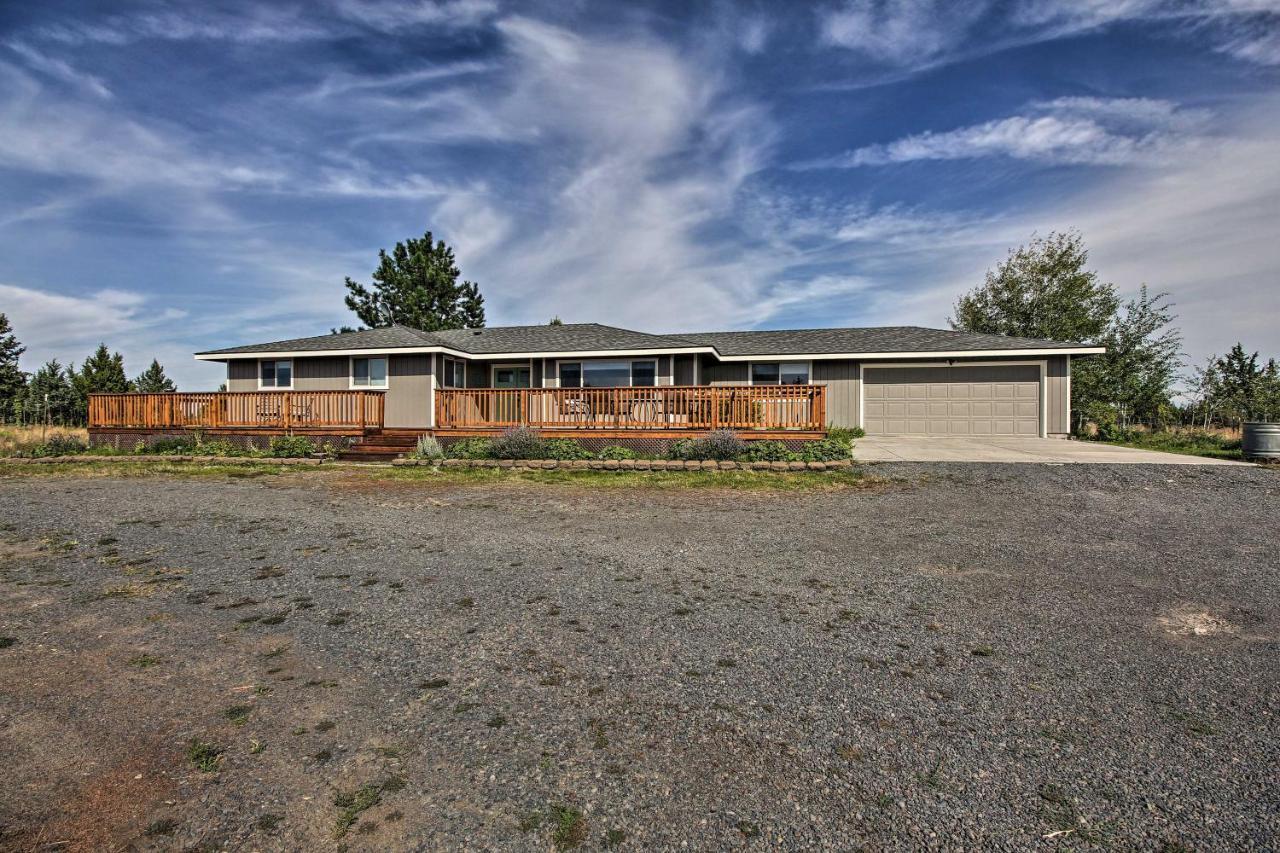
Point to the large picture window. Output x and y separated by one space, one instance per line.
275 374
779 373
368 373
608 374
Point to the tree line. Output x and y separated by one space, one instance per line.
1046 290
60 395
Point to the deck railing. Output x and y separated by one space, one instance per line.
802 407
247 409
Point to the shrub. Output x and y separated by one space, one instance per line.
768 451
218 447
564 448
845 435
717 444
517 443
617 453
476 447
60 445
291 446
176 445
826 450
428 447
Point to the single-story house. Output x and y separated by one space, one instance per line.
586 378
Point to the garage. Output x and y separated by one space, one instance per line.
988 399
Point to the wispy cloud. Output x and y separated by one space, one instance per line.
60 69
1075 130
907 36
396 15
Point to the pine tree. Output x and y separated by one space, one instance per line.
1239 384
12 379
100 373
51 396
153 380
417 285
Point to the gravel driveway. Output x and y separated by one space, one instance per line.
1007 657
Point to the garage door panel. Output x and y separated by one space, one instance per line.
986 400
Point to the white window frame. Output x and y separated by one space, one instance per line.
446 378
778 361
631 362
351 373
292 375
493 368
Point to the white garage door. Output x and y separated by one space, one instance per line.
1001 400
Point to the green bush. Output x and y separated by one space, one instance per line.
617 453
826 450
59 445
768 451
476 447
175 445
517 443
218 447
845 435
564 448
284 446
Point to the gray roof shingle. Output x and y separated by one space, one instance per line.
568 337
587 337
861 340
387 337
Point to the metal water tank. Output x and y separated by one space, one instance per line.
1261 441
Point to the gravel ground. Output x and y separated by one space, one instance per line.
966 656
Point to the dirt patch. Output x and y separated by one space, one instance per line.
1191 621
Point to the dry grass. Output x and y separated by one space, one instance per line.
17 438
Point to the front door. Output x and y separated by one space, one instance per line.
509 407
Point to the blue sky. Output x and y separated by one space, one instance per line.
181 176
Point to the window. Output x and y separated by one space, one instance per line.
455 373
644 373
275 374
779 373
368 373
571 375
608 374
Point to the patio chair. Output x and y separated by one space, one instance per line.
576 409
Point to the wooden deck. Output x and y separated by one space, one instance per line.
251 411
627 411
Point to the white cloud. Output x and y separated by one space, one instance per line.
60 69
900 32
395 15
914 35
1094 131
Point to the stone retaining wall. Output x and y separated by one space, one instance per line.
625 465
162 457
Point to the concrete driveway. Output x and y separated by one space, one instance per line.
913 448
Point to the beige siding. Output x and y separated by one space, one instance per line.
242 375
841 379
408 397
1058 395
